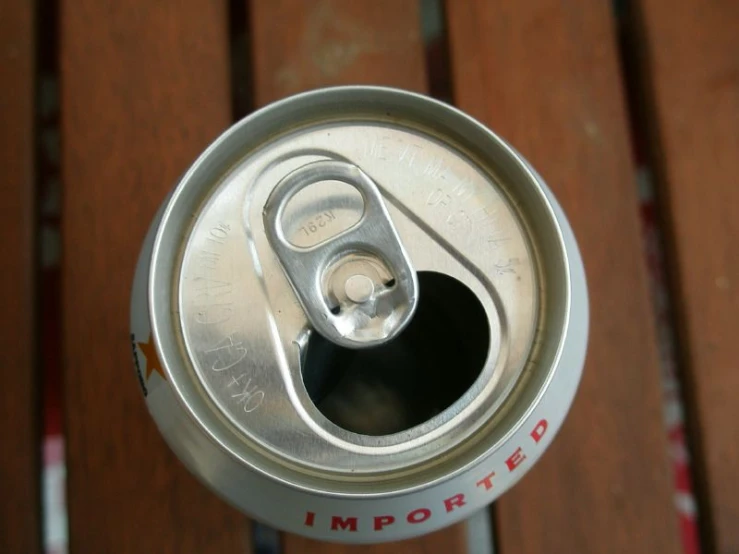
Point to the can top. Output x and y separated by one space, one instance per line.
329 215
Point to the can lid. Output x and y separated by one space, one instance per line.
376 219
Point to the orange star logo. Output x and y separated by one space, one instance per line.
152 360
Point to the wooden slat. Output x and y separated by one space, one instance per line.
19 422
333 42
545 76
691 73
145 87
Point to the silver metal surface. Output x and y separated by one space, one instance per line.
244 328
357 288
231 332
479 533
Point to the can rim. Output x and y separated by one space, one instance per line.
162 322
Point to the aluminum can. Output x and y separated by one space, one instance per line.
360 316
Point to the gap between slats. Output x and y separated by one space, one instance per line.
682 431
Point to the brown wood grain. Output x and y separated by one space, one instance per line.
20 468
145 87
332 42
691 50
545 76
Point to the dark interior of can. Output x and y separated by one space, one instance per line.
407 381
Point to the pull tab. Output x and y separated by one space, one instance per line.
357 288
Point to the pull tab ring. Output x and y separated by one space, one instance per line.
369 311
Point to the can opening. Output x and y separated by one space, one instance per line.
409 380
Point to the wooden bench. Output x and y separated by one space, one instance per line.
146 84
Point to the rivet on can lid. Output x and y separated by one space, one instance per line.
359 288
